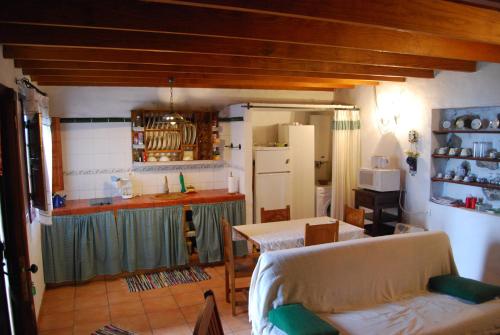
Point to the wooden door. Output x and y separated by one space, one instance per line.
14 211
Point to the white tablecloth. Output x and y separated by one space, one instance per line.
290 234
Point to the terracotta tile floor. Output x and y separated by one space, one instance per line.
86 308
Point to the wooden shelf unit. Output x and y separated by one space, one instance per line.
484 185
470 158
202 148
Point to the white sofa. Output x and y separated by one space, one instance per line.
369 286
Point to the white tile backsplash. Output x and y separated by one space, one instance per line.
91 151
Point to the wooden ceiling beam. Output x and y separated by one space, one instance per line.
435 17
197 75
173 58
150 18
182 78
32 66
191 83
248 56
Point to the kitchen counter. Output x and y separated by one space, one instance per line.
76 207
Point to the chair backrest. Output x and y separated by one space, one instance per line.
273 215
208 322
321 233
227 235
354 216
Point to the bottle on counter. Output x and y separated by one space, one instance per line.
165 186
181 181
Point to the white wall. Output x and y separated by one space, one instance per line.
414 101
8 75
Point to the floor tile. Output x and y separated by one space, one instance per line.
157 320
116 285
191 312
137 323
88 328
51 306
213 273
118 297
189 299
185 288
92 314
56 321
177 330
64 331
96 288
161 304
64 293
211 283
91 301
156 293
126 309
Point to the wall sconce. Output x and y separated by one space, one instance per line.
387 116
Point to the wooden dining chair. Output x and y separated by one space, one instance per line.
321 233
354 216
273 215
208 322
235 267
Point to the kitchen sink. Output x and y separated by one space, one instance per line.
170 196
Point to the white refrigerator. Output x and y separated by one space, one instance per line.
272 179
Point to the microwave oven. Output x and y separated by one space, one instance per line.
380 180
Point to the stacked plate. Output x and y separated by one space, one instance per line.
189 134
163 140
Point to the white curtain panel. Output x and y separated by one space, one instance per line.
346 158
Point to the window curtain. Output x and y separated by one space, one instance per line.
346 158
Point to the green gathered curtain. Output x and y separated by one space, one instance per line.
151 238
207 222
79 247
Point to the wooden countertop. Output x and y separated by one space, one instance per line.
74 207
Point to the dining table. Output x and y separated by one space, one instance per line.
278 235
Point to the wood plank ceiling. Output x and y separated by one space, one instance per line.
272 44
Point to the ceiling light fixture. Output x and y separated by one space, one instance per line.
173 117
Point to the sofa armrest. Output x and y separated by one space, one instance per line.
295 319
464 288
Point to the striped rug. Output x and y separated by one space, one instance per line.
149 281
112 330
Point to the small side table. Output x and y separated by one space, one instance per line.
377 201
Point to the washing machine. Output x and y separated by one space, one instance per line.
323 200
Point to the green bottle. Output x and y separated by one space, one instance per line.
181 180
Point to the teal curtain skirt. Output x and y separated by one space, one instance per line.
79 247
151 238
207 223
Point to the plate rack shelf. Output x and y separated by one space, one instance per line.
481 165
157 139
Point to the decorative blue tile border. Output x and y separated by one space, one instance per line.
152 167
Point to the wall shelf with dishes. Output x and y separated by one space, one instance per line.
163 136
466 158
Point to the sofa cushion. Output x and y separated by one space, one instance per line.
295 319
464 288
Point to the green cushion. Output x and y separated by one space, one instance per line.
295 319
464 288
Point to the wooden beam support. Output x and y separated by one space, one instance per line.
189 75
188 78
435 17
191 83
298 53
34 66
171 58
150 18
